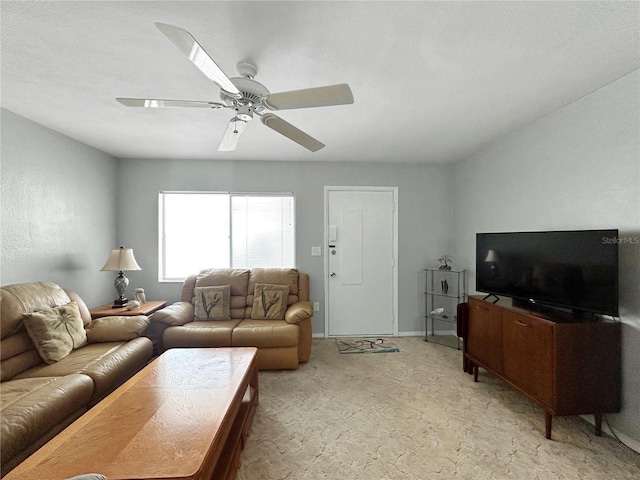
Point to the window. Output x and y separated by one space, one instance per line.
220 230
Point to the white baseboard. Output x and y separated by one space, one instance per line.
419 333
444 332
629 442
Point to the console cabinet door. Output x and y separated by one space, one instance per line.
484 335
528 354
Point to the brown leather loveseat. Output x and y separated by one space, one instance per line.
41 395
242 298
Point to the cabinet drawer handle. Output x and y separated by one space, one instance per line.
522 324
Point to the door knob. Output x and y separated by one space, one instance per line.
333 274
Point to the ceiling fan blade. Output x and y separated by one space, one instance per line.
310 97
192 49
285 128
231 135
156 103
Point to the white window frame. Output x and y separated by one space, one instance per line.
161 225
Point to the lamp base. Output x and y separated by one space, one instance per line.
120 303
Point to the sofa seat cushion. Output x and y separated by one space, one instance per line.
108 364
265 334
33 406
203 334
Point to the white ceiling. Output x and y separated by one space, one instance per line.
432 81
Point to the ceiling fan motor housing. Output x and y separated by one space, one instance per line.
251 91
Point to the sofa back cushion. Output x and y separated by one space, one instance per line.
237 278
243 283
17 352
272 276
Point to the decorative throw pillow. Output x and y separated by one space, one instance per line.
212 303
269 301
56 332
116 328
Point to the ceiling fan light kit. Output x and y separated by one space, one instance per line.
245 95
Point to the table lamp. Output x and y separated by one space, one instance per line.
121 260
492 259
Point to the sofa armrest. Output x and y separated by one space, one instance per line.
298 312
116 328
174 315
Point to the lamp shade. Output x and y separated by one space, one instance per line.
492 256
121 259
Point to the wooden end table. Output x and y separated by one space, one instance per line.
186 416
147 309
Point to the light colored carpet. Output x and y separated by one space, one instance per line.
414 415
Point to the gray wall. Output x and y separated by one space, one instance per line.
424 197
575 168
57 210
578 168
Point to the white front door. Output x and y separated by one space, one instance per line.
361 270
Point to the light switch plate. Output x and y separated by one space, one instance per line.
316 306
316 251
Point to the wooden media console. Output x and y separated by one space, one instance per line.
566 366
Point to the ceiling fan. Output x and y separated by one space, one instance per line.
245 96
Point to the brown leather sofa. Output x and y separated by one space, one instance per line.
282 344
38 400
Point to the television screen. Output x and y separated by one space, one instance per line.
576 270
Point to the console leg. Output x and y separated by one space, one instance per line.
598 419
465 363
547 424
475 372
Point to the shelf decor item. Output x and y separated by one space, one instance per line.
445 260
121 260
133 304
139 295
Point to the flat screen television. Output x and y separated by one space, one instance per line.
576 270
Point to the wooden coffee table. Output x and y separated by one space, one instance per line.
186 415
